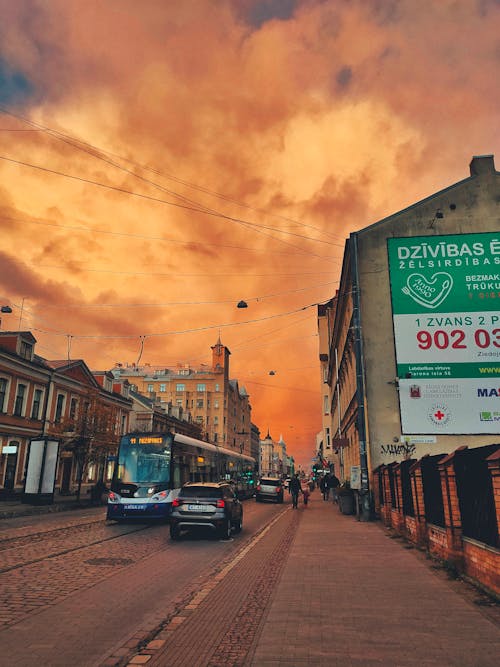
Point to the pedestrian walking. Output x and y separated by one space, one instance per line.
325 489
333 485
305 493
295 489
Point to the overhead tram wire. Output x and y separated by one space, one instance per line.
184 303
207 327
152 238
197 207
158 200
98 152
176 274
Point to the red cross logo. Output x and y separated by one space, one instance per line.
439 415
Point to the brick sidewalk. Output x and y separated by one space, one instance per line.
349 595
321 588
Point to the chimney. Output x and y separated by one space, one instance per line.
482 164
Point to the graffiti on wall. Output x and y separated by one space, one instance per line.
401 449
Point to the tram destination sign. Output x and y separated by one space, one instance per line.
445 295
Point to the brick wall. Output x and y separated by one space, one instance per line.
482 564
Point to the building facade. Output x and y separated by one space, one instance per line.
219 406
273 459
60 400
410 343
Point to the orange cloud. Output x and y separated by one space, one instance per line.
298 122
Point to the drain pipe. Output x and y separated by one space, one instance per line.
364 492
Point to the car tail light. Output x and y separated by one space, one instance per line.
278 489
221 504
257 488
176 502
113 497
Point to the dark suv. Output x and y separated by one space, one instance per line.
211 505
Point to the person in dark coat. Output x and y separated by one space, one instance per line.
333 484
295 489
324 486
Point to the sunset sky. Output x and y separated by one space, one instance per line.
161 161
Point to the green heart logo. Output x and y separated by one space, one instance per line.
429 293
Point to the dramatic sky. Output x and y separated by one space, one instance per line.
161 161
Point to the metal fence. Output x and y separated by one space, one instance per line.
406 492
475 494
433 494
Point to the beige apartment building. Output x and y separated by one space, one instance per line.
409 346
218 405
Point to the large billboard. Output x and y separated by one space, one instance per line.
445 293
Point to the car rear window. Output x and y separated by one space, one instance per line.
200 492
270 482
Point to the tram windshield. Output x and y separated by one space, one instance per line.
147 463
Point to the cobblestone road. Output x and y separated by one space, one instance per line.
78 590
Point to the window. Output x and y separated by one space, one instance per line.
199 419
59 407
3 392
163 387
72 408
180 387
201 387
37 402
178 402
19 404
124 424
199 403
151 388
215 437
216 420
216 403
217 387
26 350
325 405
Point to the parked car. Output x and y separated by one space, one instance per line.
269 488
206 505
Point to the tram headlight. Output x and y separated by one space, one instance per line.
113 497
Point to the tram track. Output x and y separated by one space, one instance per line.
54 549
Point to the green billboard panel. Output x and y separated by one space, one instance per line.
445 293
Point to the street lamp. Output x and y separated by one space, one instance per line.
6 310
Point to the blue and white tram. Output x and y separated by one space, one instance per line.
151 468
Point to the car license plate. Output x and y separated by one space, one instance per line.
135 507
200 508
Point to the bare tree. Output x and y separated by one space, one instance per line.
91 434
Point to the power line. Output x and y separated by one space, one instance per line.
176 274
99 153
195 209
174 333
152 238
181 303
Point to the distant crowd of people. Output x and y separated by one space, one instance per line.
296 486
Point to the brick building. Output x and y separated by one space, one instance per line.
409 353
61 400
219 405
